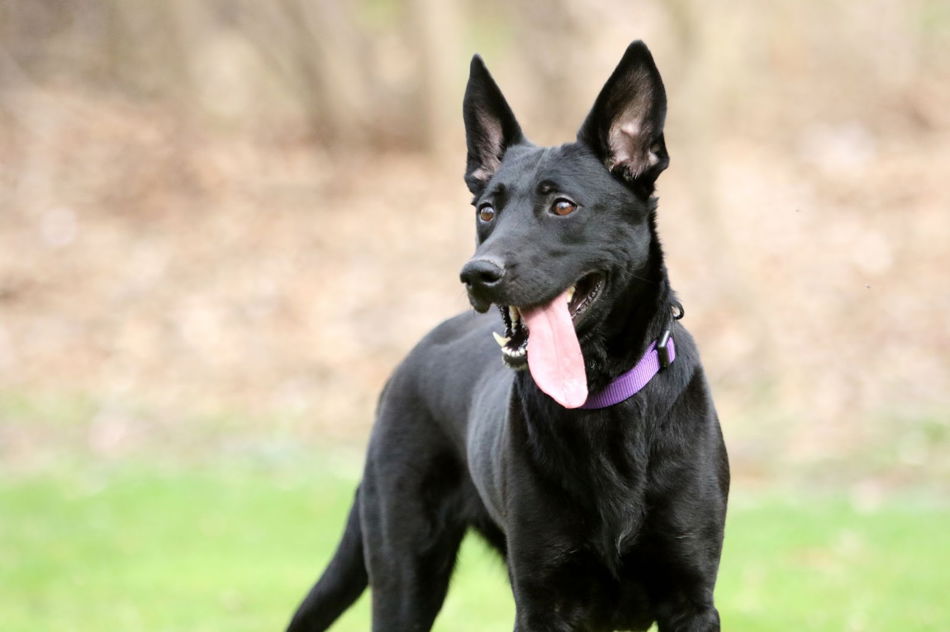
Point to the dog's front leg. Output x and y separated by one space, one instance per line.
555 585
691 618
542 606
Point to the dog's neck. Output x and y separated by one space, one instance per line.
639 317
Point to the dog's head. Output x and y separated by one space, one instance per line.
562 231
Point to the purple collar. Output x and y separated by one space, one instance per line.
658 356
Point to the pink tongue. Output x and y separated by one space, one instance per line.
554 354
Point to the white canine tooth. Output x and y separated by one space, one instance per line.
514 315
570 292
501 340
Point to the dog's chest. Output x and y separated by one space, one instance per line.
486 441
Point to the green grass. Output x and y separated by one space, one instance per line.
139 547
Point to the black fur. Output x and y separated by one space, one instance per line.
608 519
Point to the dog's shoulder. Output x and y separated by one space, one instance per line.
455 350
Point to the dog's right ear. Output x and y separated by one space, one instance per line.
490 126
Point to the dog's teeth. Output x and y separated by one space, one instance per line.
501 340
570 292
514 315
514 353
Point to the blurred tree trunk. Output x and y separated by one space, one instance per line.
316 48
541 27
328 49
436 30
144 35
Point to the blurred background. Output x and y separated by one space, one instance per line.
223 222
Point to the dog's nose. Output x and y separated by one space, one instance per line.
481 273
481 276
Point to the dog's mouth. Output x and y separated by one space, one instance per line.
543 338
514 344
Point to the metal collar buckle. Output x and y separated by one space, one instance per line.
663 350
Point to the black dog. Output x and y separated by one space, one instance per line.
610 515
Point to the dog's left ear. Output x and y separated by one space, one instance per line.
490 126
625 126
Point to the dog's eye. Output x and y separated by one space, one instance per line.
563 206
486 213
